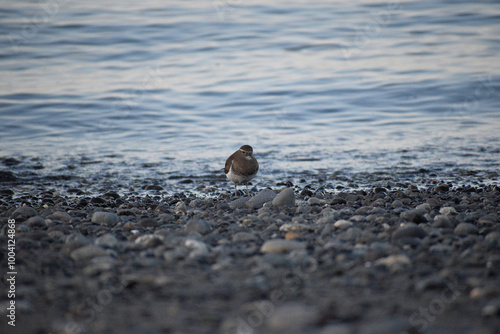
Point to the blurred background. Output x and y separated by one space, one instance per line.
175 87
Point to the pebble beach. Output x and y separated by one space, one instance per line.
303 255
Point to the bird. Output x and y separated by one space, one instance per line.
241 167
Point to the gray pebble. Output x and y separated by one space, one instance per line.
238 203
24 212
493 238
105 218
36 221
76 240
281 246
292 317
199 226
263 196
409 232
147 222
416 215
197 248
148 240
62 216
285 198
244 236
87 252
448 211
465 229
107 240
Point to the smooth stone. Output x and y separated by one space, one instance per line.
394 261
263 196
199 226
337 329
24 212
415 215
442 187
105 218
292 316
326 220
197 248
343 224
147 222
314 201
424 206
107 240
62 216
281 246
99 264
76 240
244 236
442 221
294 227
409 232
238 203
149 240
465 229
36 221
87 252
493 238
448 211
285 198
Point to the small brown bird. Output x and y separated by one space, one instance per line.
241 167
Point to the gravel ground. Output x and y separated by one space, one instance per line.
398 257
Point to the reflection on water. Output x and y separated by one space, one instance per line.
311 85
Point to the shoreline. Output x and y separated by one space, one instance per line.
395 259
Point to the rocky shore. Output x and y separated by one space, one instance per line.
398 257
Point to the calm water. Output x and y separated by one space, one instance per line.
179 85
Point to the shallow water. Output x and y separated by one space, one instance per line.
165 88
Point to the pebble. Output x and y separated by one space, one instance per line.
148 240
294 227
263 196
199 226
238 203
105 218
24 212
394 261
281 246
465 229
416 215
87 252
62 216
292 317
107 240
408 232
147 222
343 224
448 211
197 248
285 198
36 222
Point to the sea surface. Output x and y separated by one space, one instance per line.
162 89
